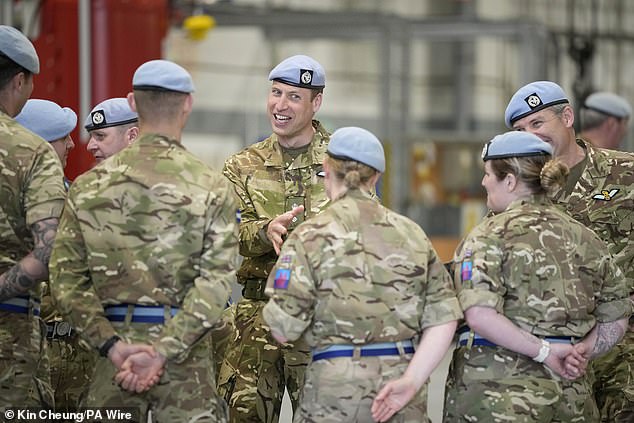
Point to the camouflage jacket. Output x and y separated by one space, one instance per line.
603 200
543 270
267 187
358 273
31 189
151 225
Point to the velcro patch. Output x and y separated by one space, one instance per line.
282 278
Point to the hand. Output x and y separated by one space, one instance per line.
577 363
140 371
566 361
392 398
121 350
278 227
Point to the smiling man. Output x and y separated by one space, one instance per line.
599 194
279 183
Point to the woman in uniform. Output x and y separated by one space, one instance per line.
540 294
364 286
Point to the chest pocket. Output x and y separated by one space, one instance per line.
612 222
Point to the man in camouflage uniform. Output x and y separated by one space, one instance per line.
111 126
279 183
71 361
532 280
144 258
605 118
360 284
598 194
32 192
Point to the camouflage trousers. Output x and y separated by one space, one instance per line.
71 365
493 384
342 390
223 334
185 393
614 384
24 377
256 368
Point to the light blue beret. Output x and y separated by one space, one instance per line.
515 144
299 71
18 48
47 119
532 98
358 144
609 104
162 75
112 112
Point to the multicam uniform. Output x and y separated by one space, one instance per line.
268 183
31 188
146 250
602 198
71 360
358 279
550 276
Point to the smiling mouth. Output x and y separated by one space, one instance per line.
281 118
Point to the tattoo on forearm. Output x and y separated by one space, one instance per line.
44 236
34 267
608 334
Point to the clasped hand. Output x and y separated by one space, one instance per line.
568 361
139 366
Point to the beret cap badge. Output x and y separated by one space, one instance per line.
98 117
533 101
306 76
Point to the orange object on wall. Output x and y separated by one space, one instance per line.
124 33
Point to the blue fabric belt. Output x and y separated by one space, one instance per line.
21 304
369 350
140 313
463 339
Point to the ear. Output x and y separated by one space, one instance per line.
326 166
189 103
132 134
18 81
375 179
511 182
568 116
317 102
131 102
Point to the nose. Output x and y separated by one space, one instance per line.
92 145
281 103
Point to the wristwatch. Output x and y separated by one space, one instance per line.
105 348
543 352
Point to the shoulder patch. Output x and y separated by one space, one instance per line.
467 266
605 195
282 278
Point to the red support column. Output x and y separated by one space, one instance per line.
125 34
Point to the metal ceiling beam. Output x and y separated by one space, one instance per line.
279 22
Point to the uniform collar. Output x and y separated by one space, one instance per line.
531 199
316 148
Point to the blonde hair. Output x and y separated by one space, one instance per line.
541 174
353 173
